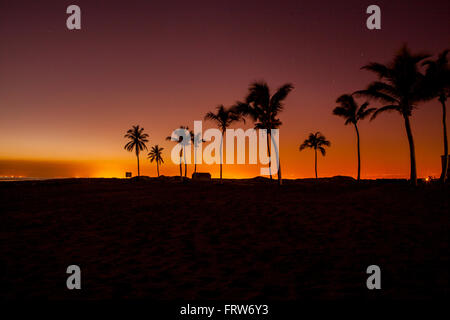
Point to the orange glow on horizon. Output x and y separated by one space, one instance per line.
388 160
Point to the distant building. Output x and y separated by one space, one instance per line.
128 175
201 176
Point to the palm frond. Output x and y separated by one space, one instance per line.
138 139
322 150
281 94
156 154
375 95
380 69
304 145
211 116
316 141
387 108
259 94
341 111
364 111
224 117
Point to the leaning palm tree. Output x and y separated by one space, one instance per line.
352 113
400 89
263 108
195 141
223 118
180 137
155 155
315 141
437 79
138 140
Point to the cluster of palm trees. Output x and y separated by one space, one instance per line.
138 142
263 108
400 87
260 105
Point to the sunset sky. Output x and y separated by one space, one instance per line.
68 97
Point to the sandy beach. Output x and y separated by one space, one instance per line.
162 239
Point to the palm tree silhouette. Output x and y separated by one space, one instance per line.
263 108
400 91
223 118
315 141
155 155
195 141
138 140
437 79
352 113
181 138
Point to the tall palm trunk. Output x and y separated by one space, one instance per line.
137 156
359 152
277 156
221 155
157 167
268 153
185 163
412 153
181 168
195 159
315 161
444 173
280 179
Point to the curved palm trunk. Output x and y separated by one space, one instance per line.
268 153
444 173
359 152
412 153
315 161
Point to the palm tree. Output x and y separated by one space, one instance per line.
315 141
182 139
223 118
138 140
352 113
400 89
437 79
263 108
156 155
195 141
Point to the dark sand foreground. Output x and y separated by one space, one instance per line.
162 239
